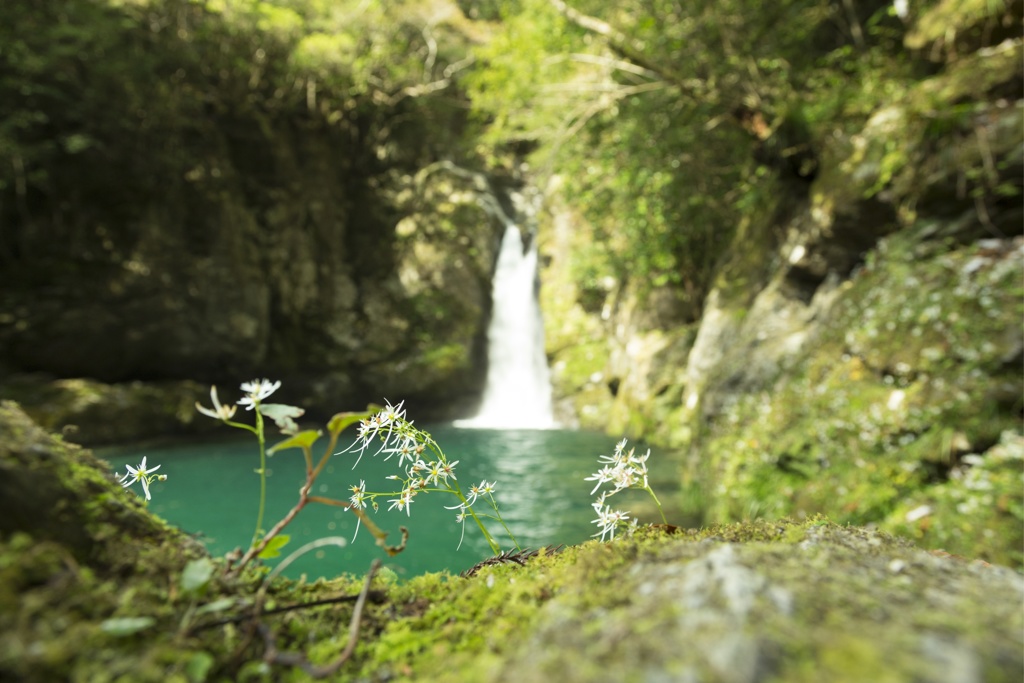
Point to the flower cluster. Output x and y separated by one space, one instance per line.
142 474
623 470
398 436
255 393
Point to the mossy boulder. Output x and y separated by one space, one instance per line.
78 557
90 413
93 587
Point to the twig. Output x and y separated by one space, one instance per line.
374 596
516 557
274 656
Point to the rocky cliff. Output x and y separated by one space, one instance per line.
190 202
860 349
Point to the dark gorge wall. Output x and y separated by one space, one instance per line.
179 203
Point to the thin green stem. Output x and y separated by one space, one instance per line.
495 548
501 520
327 454
658 503
240 425
262 472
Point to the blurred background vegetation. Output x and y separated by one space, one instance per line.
740 196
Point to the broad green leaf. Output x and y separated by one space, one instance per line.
301 440
274 546
283 416
337 424
126 626
196 575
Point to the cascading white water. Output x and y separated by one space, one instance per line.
518 390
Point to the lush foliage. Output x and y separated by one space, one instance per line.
668 122
142 101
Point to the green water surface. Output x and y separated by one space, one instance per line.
212 491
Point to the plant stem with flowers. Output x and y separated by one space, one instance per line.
398 437
284 416
624 470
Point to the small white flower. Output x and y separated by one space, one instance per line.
434 473
256 391
391 414
479 490
141 474
403 502
602 476
219 412
608 520
358 498
461 519
407 449
448 470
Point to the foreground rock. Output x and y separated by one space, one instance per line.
94 588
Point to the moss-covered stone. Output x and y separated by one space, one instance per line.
90 412
754 602
92 587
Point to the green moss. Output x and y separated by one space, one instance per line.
876 419
613 611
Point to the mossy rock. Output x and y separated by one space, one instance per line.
93 413
778 601
78 557
93 587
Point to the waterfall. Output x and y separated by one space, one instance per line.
518 390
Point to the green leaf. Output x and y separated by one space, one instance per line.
216 606
337 424
196 575
301 440
126 626
198 666
274 546
283 416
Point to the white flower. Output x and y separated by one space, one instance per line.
461 519
407 449
403 502
141 474
448 470
608 519
256 391
219 411
434 472
603 475
391 414
358 498
483 488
